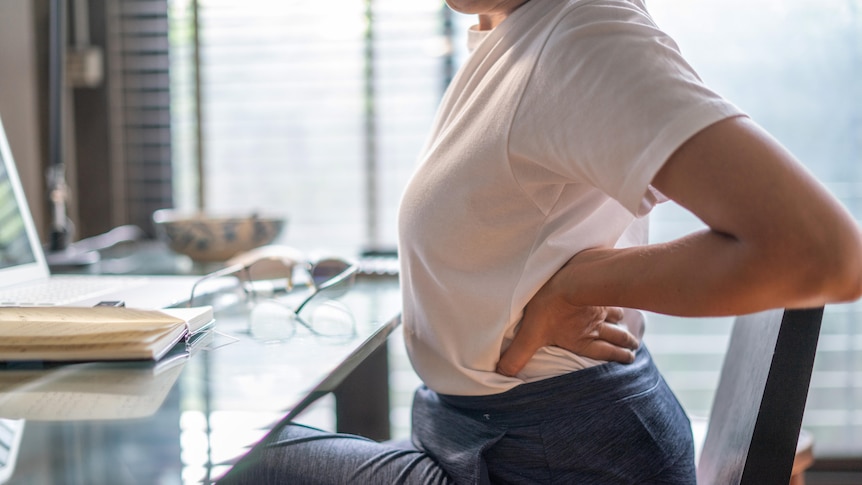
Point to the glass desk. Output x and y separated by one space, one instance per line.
186 420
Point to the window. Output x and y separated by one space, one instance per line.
314 110
794 66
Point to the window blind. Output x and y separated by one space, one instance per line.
138 70
314 110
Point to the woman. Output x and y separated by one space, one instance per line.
525 260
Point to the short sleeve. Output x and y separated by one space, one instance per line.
609 100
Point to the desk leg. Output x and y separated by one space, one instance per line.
362 400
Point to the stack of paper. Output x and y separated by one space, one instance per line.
97 333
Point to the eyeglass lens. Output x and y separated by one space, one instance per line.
273 321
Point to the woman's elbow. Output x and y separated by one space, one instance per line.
834 272
849 287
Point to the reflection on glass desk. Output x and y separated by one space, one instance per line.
86 391
186 420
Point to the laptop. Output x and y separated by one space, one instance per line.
11 431
25 278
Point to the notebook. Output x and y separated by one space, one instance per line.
25 278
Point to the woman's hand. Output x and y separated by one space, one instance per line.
549 319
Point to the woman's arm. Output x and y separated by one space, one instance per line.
775 238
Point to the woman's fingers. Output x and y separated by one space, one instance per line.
613 314
603 350
617 335
585 336
609 341
614 344
514 358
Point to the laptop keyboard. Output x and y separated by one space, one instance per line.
62 291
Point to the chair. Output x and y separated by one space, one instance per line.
756 418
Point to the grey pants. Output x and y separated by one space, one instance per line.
610 424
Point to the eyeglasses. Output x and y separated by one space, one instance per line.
253 272
266 281
271 321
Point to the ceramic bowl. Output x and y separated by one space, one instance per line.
211 238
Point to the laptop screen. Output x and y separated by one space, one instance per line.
14 243
21 256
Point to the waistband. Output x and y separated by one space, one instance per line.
562 395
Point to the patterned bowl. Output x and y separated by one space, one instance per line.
210 238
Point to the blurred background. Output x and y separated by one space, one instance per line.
317 109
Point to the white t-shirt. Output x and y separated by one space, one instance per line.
544 145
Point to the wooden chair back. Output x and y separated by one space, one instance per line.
757 411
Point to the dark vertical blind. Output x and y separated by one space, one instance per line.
122 118
140 71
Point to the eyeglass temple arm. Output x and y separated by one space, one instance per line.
335 280
231 270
